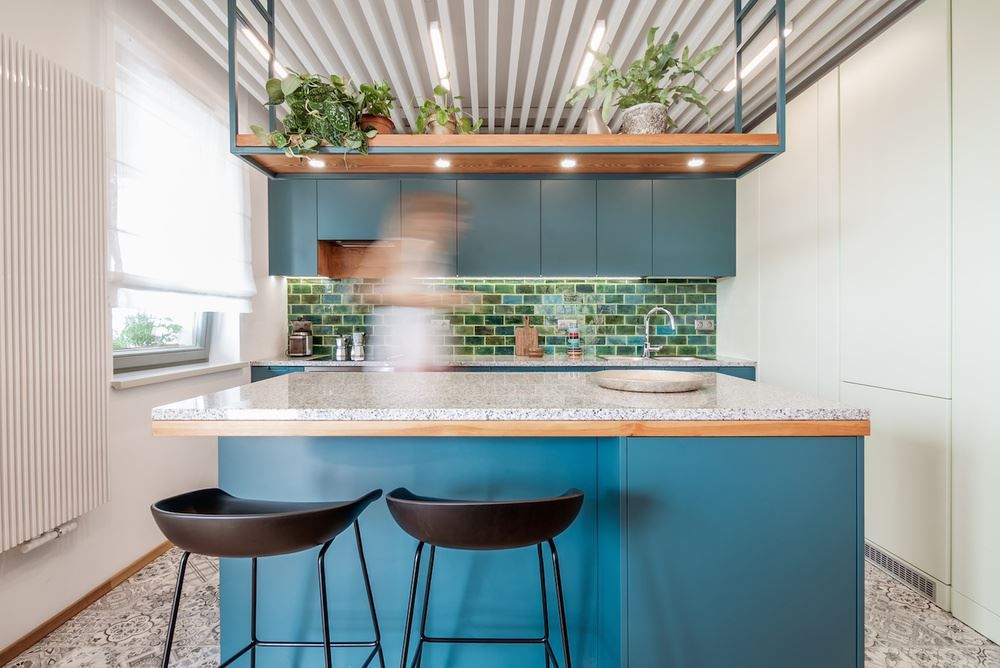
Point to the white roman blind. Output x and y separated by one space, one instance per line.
180 234
54 345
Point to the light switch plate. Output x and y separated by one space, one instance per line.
704 325
565 323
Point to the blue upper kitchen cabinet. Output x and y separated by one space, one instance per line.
569 228
501 235
446 189
358 209
291 229
624 227
694 227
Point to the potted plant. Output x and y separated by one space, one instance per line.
376 106
439 117
319 109
649 86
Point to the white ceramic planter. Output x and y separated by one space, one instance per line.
648 118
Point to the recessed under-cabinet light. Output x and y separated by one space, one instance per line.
758 59
696 162
442 163
588 58
567 163
317 163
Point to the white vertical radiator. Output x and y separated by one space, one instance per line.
54 339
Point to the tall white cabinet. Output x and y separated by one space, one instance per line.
868 269
895 300
895 171
976 321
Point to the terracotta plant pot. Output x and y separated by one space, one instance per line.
648 118
382 124
449 128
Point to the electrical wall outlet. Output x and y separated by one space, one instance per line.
565 323
441 326
704 325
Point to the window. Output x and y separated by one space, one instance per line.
179 243
142 340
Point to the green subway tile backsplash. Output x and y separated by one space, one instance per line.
609 313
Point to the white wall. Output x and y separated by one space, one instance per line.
879 286
35 586
976 320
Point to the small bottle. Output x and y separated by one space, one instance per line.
573 349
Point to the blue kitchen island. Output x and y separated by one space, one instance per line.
721 527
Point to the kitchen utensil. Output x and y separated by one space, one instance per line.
341 347
358 346
300 341
524 338
300 344
648 380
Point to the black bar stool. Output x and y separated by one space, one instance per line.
214 523
484 525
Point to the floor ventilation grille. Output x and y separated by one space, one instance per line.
901 571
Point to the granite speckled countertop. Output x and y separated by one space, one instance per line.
513 361
499 396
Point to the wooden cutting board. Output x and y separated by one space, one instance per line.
524 338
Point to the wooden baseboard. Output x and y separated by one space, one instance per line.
8 654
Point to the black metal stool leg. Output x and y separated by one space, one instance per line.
545 606
320 564
559 601
173 610
409 608
368 590
253 612
418 656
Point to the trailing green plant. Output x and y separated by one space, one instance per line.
441 111
319 109
658 76
377 98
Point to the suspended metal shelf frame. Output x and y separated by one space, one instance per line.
667 155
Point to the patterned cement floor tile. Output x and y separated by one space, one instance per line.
125 628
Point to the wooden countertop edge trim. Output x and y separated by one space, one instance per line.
511 428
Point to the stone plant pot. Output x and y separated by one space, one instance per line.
648 118
449 128
382 124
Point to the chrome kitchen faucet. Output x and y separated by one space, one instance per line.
647 350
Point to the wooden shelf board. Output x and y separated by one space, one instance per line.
532 154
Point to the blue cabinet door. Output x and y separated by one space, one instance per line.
744 372
569 228
358 209
291 227
444 204
624 228
694 227
744 552
501 236
258 373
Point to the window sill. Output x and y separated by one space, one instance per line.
129 379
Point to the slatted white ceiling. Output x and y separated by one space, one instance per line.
513 61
